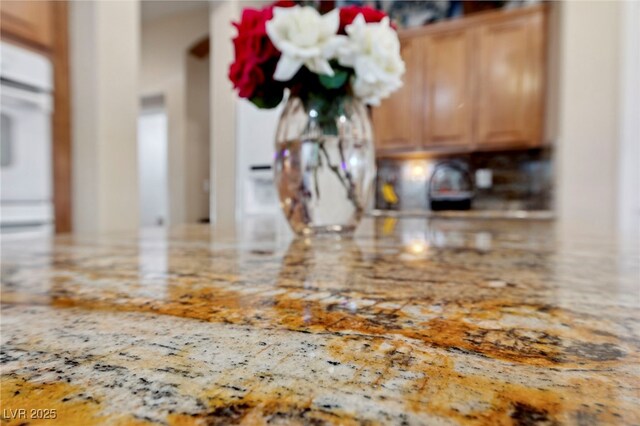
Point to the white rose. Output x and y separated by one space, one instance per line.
305 37
373 51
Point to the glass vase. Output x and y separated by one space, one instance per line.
325 164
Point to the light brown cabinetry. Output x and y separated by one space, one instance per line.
471 84
29 21
394 127
509 97
447 98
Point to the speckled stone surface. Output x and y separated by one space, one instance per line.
440 322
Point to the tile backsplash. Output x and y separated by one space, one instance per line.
520 180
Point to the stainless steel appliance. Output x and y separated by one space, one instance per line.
260 196
26 206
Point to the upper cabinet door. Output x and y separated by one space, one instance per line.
28 21
447 97
509 92
396 121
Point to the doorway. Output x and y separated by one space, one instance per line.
152 162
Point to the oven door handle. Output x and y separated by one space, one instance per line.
12 96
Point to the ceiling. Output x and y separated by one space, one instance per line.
151 10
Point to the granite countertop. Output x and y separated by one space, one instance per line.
415 321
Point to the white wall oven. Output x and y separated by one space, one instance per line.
26 207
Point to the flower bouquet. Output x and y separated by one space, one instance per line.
331 65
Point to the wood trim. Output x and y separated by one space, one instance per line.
200 49
475 84
61 119
24 43
33 35
541 44
423 152
550 77
456 152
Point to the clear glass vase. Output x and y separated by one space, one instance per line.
325 164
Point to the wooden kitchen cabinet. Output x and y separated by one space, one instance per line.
30 22
510 62
395 126
447 98
475 83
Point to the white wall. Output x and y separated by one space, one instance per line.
255 133
629 194
152 162
588 127
163 70
104 70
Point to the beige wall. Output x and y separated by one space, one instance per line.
164 70
587 144
223 115
104 69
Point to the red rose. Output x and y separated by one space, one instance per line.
247 78
254 52
349 13
283 3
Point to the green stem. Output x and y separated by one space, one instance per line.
349 187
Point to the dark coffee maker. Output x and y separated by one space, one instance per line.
450 186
